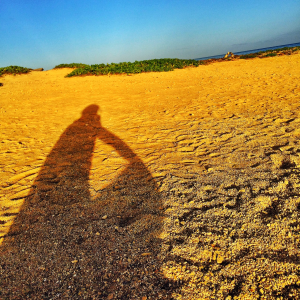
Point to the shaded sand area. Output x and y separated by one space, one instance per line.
178 185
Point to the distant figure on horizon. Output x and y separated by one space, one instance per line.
229 55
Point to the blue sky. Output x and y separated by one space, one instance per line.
45 33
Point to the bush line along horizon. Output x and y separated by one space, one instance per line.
153 65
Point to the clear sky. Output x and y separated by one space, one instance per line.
45 33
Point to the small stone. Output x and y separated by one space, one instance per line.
97 233
220 258
146 254
74 261
104 217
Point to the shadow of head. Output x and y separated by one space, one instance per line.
91 110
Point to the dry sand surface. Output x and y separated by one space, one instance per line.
178 185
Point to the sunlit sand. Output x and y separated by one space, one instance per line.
217 145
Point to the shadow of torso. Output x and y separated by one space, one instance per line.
60 245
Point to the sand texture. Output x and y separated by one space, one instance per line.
177 185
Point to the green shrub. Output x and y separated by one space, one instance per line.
13 70
271 54
246 56
72 65
153 65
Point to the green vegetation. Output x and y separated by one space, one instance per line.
153 65
157 65
248 56
13 70
270 53
73 65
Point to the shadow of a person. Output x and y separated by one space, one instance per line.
61 247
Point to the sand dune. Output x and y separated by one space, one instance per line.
178 185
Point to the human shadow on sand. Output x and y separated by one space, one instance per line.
64 244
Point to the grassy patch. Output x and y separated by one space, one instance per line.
154 65
246 56
72 65
13 70
270 53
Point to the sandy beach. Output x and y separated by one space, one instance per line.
176 185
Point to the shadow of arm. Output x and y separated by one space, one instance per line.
121 147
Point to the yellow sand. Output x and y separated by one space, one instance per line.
159 115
